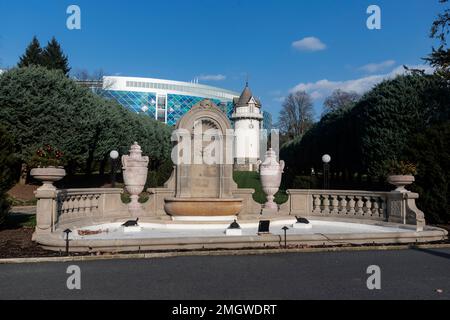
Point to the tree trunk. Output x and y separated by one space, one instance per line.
23 174
103 167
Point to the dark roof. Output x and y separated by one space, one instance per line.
245 97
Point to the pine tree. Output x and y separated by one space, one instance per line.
32 55
54 58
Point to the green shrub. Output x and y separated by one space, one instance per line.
306 182
7 162
431 151
40 106
157 177
251 180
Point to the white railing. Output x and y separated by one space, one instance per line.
95 203
393 206
370 205
78 201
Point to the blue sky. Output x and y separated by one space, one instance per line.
283 45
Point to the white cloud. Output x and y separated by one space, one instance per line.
279 99
309 44
212 77
323 88
376 67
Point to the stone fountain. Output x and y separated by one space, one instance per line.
204 179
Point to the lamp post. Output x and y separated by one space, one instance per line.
67 232
285 229
114 155
326 171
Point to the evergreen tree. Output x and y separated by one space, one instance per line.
440 57
32 55
40 106
54 58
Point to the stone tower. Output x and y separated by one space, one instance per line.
247 118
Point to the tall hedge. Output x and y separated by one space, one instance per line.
40 106
379 128
430 150
6 171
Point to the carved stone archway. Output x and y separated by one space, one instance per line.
198 179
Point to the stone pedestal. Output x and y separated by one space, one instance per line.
268 211
46 195
233 232
302 226
133 229
45 210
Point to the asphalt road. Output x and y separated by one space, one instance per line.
406 274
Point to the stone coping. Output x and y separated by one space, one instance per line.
90 191
229 252
241 220
430 234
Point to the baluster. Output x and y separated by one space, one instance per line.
61 205
351 205
95 200
343 205
71 203
88 203
316 203
326 204
383 208
335 204
376 207
359 206
368 206
77 204
83 204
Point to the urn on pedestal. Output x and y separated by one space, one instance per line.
270 172
135 170
48 175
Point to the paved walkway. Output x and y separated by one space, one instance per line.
405 274
23 210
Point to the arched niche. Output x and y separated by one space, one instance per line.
199 179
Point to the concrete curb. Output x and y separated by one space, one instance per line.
216 253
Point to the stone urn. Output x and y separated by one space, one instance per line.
47 176
270 172
400 181
135 170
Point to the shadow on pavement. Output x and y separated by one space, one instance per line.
433 252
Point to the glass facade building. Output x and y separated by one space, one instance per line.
165 100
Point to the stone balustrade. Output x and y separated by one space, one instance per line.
384 206
72 207
80 203
59 207
348 204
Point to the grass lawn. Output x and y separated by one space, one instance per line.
19 220
251 180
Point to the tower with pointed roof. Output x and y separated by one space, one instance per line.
247 118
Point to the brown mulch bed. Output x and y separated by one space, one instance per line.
16 243
23 192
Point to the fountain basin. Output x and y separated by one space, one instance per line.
202 207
